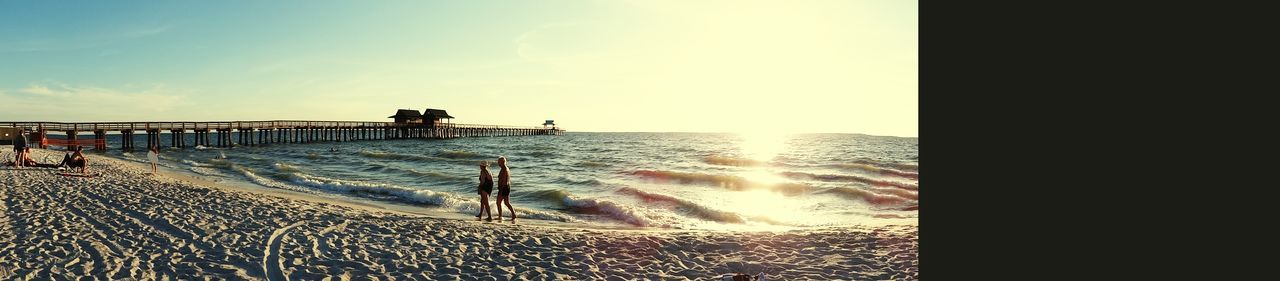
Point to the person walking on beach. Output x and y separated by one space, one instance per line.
154 155
19 149
485 188
504 189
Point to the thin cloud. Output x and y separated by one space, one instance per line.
37 89
55 101
81 42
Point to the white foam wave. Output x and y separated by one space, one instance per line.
434 198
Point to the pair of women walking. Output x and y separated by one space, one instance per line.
504 190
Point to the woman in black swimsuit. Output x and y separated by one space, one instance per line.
504 189
486 187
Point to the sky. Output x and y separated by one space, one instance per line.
844 66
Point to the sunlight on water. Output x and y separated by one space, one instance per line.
758 205
761 146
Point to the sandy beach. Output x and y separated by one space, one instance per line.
127 223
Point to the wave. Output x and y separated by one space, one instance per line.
434 198
692 208
378 167
535 147
611 209
874 182
407 194
428 174
459 154
591 164
395 156
129 157
574 181
195 164
285 168
899 166
539 154
874 169
724 181
731 161
414 158
206 171
913 195
263 181
869 196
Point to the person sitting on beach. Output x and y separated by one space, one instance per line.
504 189
485 188
26 158
27 161
77 160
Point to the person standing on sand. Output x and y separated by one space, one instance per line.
504 189
19 149
485 188
154 156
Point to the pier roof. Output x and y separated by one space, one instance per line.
437 113
406 113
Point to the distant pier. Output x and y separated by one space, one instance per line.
250 133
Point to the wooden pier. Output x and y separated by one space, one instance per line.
249 133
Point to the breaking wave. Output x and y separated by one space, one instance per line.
880 170
440 199
850 178
694 209
869 196
724 181
611 209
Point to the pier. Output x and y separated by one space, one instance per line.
251 133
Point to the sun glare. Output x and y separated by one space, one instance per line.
761 147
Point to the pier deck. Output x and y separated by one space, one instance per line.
245 133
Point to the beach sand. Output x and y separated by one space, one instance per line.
127 223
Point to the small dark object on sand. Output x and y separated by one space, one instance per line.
742 277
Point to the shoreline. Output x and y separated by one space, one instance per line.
406 208
128 223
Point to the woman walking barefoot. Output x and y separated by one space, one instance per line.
486 187
504 189
154 155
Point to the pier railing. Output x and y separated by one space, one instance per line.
263 132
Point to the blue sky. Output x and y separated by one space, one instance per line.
718 66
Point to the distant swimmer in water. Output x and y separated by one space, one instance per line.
504 189
333 149
485 188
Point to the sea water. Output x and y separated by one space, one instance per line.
662 180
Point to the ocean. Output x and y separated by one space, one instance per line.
659 180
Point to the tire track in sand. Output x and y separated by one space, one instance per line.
164 227
271 258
